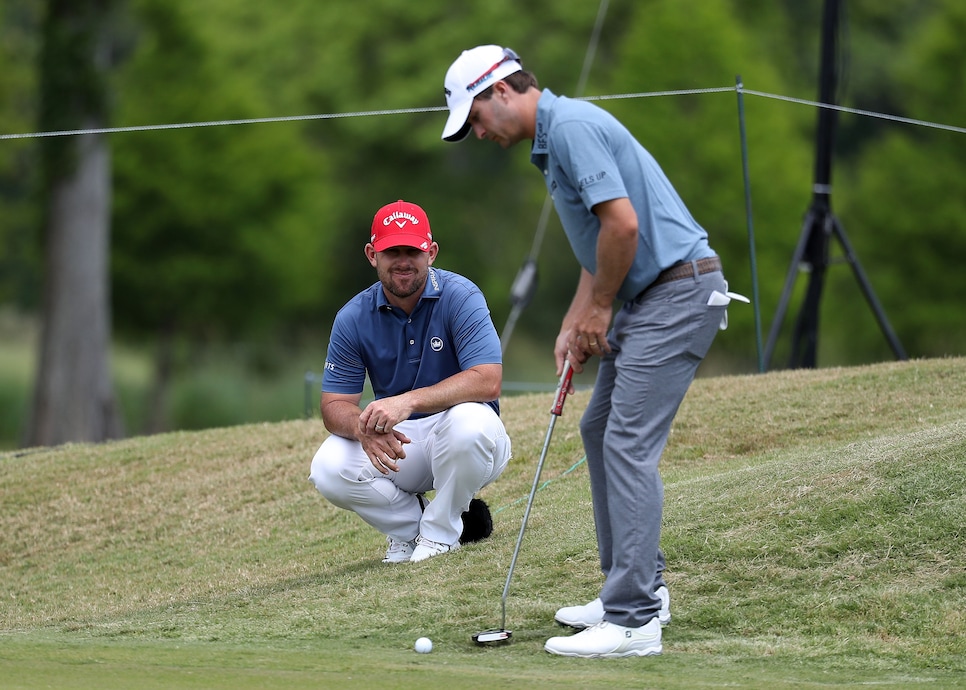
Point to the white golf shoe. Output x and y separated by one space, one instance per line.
592 612
426 548
399 551
609 641
584 616
664 615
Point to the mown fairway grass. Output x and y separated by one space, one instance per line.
813 528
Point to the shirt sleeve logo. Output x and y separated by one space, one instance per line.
589 180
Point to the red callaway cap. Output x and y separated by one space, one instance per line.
401 224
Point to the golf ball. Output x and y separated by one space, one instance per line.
424 645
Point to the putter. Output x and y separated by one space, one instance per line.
501 634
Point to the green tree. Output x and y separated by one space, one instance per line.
696 138
19 48
907 207
392 55
255 231
221 232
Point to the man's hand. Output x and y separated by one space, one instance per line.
382 443
584 331
380 416
384 449
374 426
587 336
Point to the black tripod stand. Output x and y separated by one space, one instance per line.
820 225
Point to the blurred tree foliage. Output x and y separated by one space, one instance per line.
219 231
19 163
906 198
697 139
257 230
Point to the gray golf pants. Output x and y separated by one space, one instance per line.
657 343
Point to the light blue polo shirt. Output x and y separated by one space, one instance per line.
449 331
588 157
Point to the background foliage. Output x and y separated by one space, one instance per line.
253 233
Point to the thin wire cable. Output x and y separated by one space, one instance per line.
857 111
434 109
651 94
592 47
220 123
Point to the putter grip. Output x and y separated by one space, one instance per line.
562 387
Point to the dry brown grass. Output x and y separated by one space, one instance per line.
800 505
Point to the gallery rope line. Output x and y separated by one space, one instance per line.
405 111
220 123
856 111
651 94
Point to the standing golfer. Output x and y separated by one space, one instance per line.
637 244
425 339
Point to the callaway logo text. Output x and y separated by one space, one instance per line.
400 217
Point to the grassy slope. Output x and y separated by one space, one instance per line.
813 527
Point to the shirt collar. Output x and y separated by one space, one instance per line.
432 290
434 285
544 108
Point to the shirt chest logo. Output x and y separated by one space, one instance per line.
436 343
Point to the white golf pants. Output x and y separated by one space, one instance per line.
455 452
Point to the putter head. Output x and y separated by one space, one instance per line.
491 636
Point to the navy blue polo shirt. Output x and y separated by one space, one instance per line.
449 331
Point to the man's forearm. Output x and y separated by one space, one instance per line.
479 384
615 254
616 248
341 418
583 295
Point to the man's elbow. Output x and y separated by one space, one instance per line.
491 376
495 389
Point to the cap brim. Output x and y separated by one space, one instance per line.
457 126
401 240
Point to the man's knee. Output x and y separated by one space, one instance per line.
476 441
325 474
469 425
346 482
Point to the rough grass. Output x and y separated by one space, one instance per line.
813 527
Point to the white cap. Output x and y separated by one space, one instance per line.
474 71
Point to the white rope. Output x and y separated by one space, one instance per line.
219 123
856 111
650 94
404 111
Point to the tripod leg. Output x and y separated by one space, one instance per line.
870 297
805 340
793 269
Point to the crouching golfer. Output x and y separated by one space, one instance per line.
426 340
